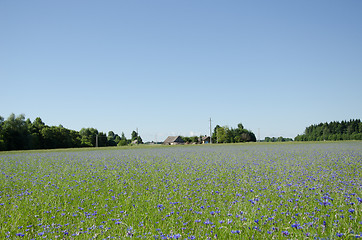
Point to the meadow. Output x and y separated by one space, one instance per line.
241 191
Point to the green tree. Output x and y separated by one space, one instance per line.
117 139
102 139
214 136
2 142
111 135
194 139
187 139
280 139
36 140
221 134
88 137
50 135
333 131
134 135
123 141
15 132
111 139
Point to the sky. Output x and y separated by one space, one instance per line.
165 67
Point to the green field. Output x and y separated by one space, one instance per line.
236 191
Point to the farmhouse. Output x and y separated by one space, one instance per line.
204 140
173 140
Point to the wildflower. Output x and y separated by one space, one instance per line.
296 225
130 231
207 222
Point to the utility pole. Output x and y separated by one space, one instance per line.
137 135
96 140
258 134
210 133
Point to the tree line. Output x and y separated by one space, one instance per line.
232 135
16 133
333 131
278 139
193 139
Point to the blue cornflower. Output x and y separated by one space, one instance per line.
325 203
176 236
130 231
207 222
296 225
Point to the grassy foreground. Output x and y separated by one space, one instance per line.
241 191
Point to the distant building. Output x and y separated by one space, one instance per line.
204 140
173 140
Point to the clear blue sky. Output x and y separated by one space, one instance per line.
166 67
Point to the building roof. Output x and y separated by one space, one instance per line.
205 138
171 139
